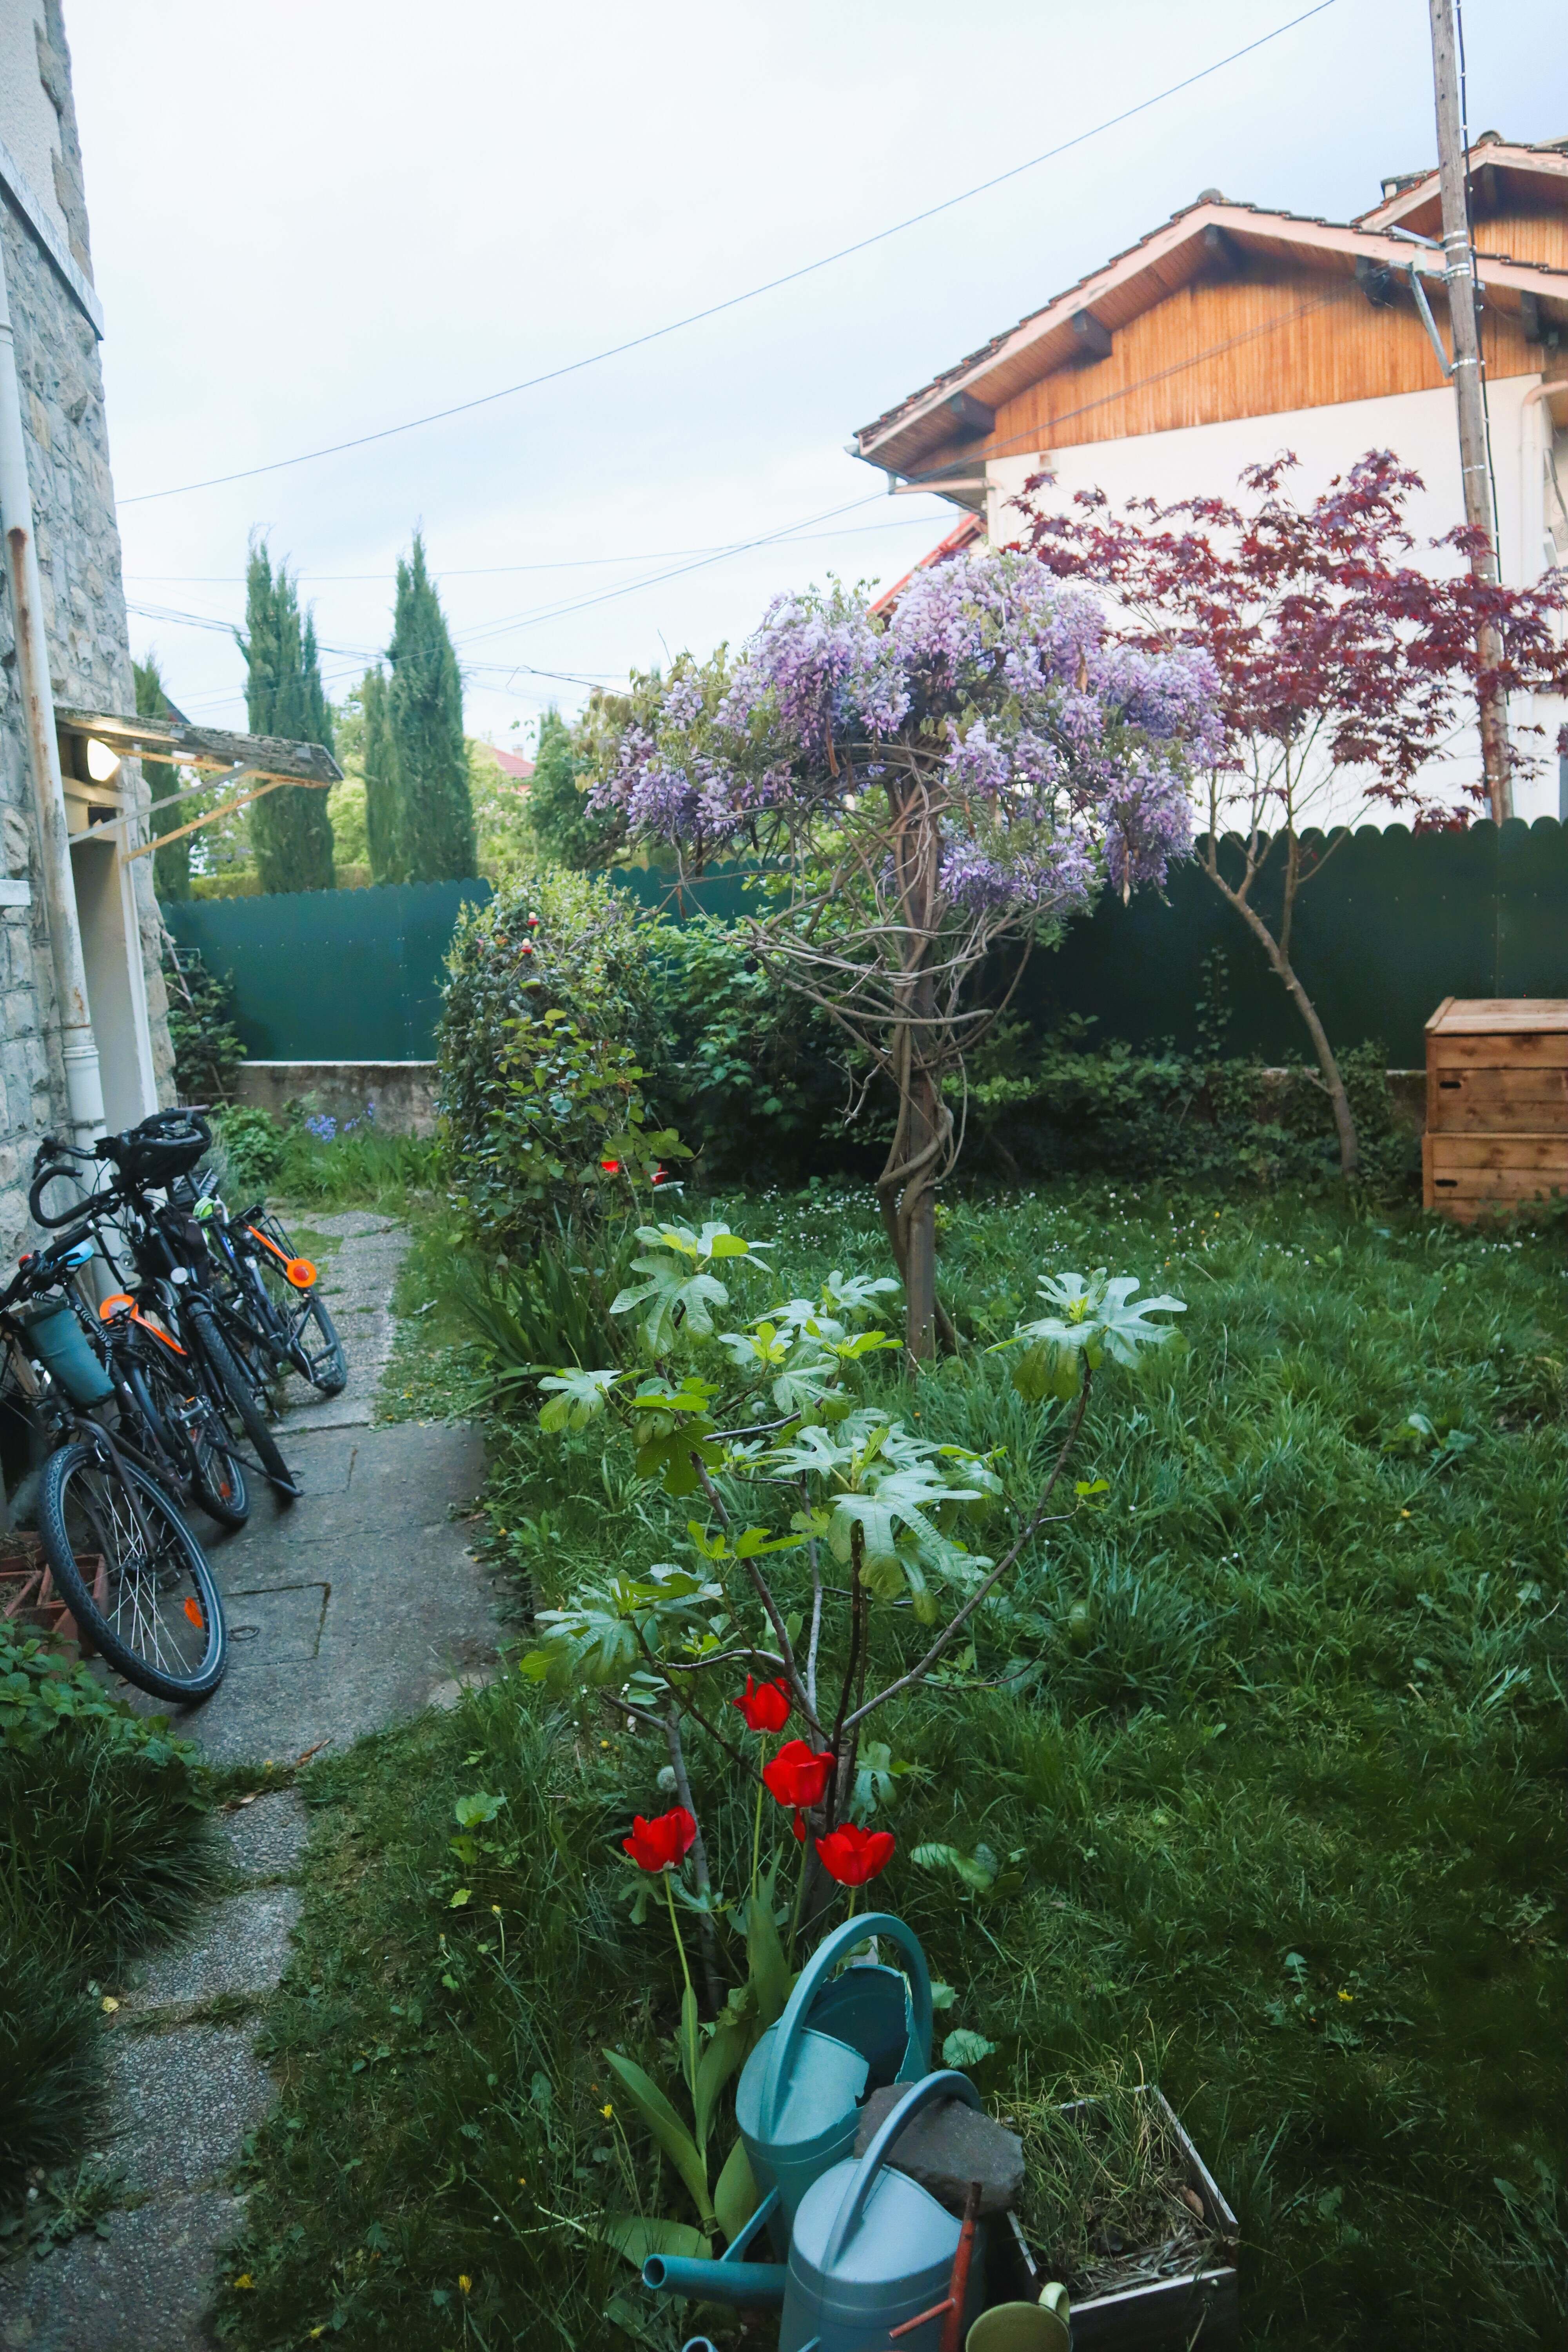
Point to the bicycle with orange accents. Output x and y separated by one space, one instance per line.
118 1550
273 1291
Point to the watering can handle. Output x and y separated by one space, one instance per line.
815 1975
919 2094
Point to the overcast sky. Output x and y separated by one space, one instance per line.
312 219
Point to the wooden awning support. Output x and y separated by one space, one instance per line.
261 763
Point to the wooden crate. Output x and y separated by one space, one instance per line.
1497 1104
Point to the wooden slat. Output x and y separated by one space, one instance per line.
1526 1101
1471 1016
1461 1155
1280 337
1528 1049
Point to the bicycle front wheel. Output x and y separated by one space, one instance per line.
136 1579
190 1430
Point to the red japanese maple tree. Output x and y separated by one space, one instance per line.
1347 672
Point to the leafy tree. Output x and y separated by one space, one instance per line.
435 819
207 1051
378 761
568 829
938 783
1342 669
291 830
170 864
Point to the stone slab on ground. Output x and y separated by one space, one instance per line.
348 1609
243 1948
356 1283
946 2146
266 1836
128 2292
186 2100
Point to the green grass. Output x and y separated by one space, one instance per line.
1283 1797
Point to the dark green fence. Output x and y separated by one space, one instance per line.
331 975
1393 925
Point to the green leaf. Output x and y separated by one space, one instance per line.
767 1969
637 2235
943 1996
963 2048
667 2129
977 1871
737 2197
726 2048
464 1894
576 1397
472 1812
689 2042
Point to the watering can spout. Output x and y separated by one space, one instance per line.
759 2284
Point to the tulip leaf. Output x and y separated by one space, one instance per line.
575 1398
637 2235
767 1969
667 2128
963 2048
726 2048
737 2197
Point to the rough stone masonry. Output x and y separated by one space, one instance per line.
84 612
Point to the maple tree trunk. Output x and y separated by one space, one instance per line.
1333 1083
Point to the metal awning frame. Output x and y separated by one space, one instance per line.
270 760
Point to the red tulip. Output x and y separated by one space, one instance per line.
853 1855
798 1776
611 1167
765 1706
797 1828
659 1845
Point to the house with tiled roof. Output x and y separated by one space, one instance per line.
1234 332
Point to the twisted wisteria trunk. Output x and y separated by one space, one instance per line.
922 1133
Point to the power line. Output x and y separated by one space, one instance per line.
496 570
733 301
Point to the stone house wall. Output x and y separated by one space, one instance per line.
84 609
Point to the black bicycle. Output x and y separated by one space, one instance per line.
268 1287
169 1259
119 1553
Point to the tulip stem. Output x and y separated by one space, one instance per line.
757 1824
800 1889
686 1972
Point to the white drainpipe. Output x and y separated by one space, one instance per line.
79 1047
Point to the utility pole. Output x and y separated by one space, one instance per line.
1453 165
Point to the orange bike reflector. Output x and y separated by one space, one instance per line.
300 1273
192 1610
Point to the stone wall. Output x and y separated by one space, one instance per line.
89 656
403 1093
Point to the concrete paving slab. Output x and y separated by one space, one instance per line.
243 1948
266 1838
186 2099
142 2288
356 1287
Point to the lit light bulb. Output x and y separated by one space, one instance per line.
103 764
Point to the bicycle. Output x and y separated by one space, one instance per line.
153 1156
121 1557
269 1288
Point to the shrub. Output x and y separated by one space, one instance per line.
106 1830
207 1051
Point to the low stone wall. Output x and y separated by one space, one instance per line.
404 1093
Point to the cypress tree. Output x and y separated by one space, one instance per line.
435 830
171 865
379 761
565 830
290 831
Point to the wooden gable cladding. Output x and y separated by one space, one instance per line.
1212 350
1527 236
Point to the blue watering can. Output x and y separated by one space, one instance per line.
872 2251
797 2102
732 2279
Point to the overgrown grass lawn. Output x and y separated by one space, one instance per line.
1277 1757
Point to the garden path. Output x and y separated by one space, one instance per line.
347 1610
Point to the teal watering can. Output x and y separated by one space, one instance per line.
797 2102
732 2279
872 2251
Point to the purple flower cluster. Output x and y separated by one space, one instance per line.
991 681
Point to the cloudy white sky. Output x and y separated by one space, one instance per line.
312 219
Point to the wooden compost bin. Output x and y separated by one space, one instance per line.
1497 1104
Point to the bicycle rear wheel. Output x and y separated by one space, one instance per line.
314 1348
234 1389
190 1430
136 1579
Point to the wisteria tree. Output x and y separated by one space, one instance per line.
1346 673
962 773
